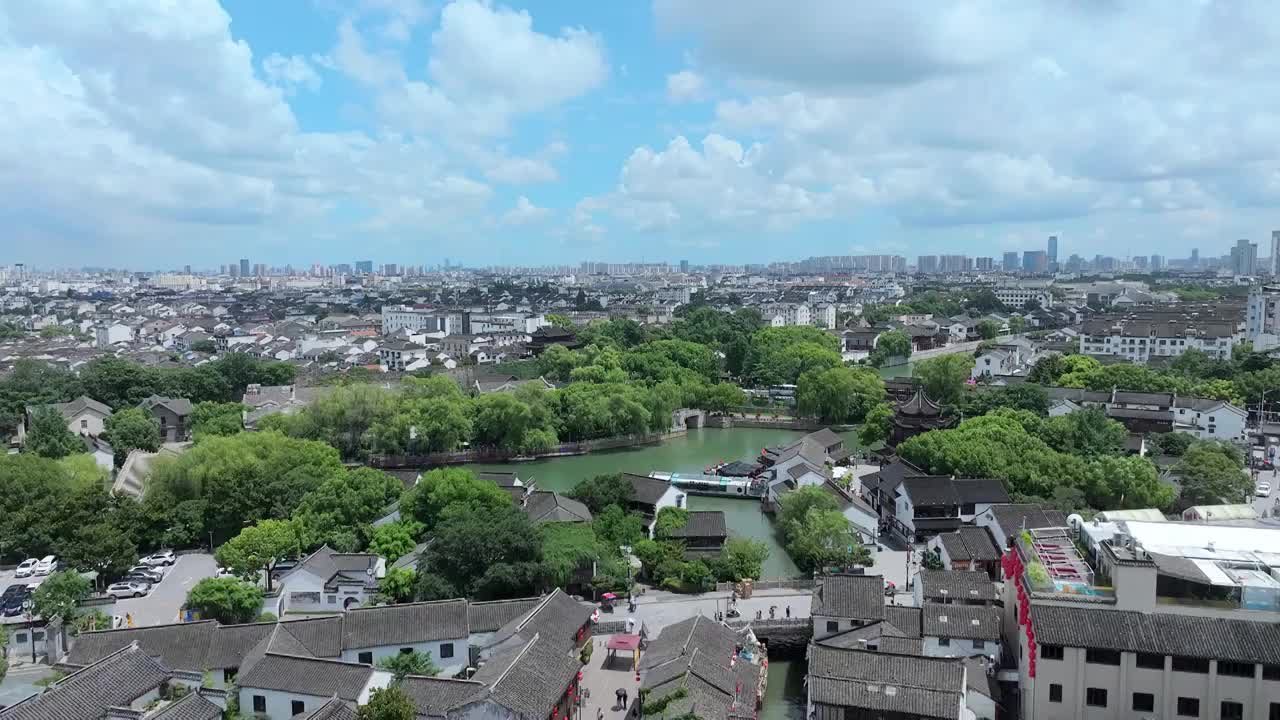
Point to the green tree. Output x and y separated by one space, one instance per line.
723 397
944 377
1048 369
481 551
839 395
100 545
560 321
668 520
743 558
394 540
131 429
204 346
59 595
1211 473
565 548
446 490
33 383
414 663
779 355
825 538
228 600
891 344
987 330
1017 324
217 418
389 703
339 512
877 426
601 491
259 548
615 527
1087 432
397 585
1174 443
49 436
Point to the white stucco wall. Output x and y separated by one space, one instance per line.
448 666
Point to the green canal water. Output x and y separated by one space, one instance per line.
689 453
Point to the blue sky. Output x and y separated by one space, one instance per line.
154 134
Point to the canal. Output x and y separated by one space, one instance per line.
692 452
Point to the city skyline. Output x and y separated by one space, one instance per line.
156 135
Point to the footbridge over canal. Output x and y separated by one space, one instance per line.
785 637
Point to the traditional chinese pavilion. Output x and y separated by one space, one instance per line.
917 415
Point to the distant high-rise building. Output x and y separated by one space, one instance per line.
260 270
244 267
1244 258
927 264
364 267
1157 263
1140 262
390 269
1035 261
684 266
342 268
233 269
1195 257
1011 262
1053 250
1275 253
186 269
985 264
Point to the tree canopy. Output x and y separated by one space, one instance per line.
131 429
1211 473
259 548
839 395
944 377
49 436
230 601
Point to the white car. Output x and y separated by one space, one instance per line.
163 557
26 567
129 589
224 573
47 565
1263 489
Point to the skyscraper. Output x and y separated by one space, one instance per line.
1275 253
364 267
1053 250
1195 257
1035 261
233 270
927 264
1244 258
985 264
684 266
1011 262
244 267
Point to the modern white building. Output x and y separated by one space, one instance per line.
1015 297
286 686
1262 317
1140 340
420 318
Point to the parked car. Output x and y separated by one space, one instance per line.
47 565
26 567
14 597
1263 489
224 573
163 557
145 573
129 588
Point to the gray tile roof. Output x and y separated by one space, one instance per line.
530 679
556 619
181 646
192 706
435 696
1163 633
702 524
880 681
403 624
547 506
906 620
970 543
177 406
321 637
901 645
956 585
307 676
337 568
825 437
647 490
694 654
968 622
229 645
115 680
859 597
1026 516
335 709
491 616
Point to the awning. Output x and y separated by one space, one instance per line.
624 642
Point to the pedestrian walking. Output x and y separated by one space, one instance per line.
788 612
621 695
773 611
599 713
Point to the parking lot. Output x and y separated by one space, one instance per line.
158 607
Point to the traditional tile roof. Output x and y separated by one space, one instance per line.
434 696
547 506
702 524
968 622
648 491
491 616
556 619
180 646
825 437
177 406
229 645
944 490
1162 633
956 585
407 623
859 597
905 620
694 654
117 679
530 679
885 682
81 404
890 476
192 706
307 676
335 709
970 543
337 568
901 645
320 637
1026 516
